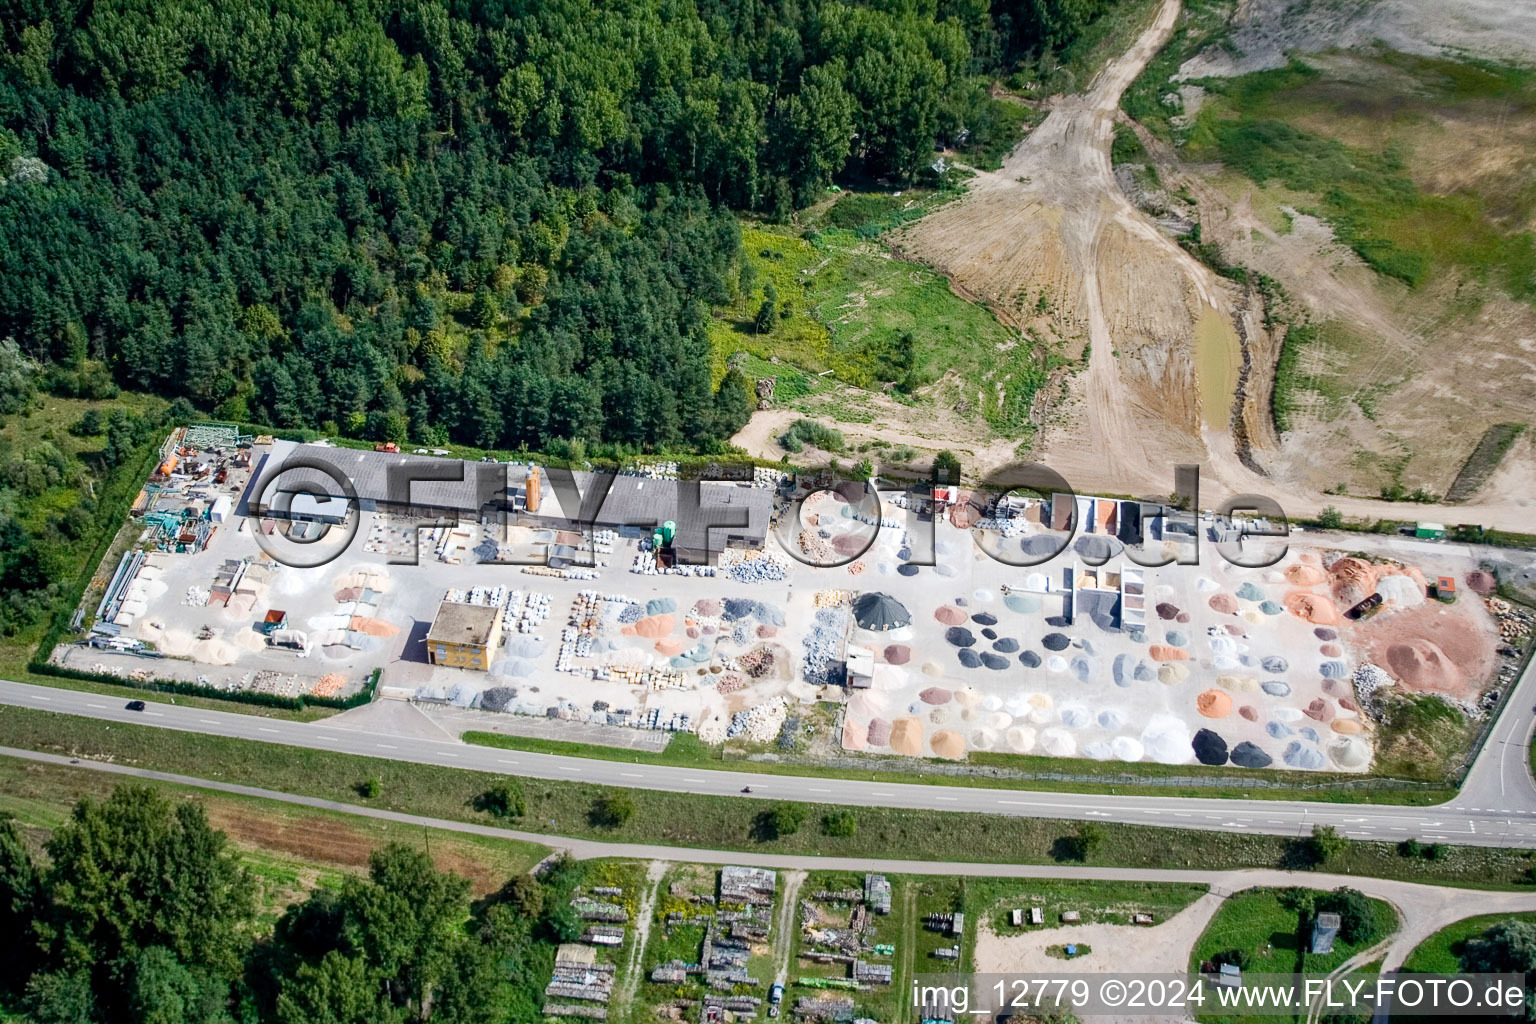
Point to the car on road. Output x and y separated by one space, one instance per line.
135 705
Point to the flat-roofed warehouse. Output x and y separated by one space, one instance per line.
488 488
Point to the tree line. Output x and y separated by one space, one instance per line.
139 912
499 223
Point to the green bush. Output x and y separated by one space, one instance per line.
784 820
612 810
840 823
809 432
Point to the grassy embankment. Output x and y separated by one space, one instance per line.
728 823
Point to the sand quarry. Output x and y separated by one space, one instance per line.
1252 667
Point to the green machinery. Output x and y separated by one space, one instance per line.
661 542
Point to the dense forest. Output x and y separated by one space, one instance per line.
502 223
139 912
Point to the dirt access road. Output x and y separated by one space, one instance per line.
1052 230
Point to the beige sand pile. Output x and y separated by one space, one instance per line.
1172 673
250 640
967 697
854 734
1021 739
215 652
932 669
947 743
907 736
176 642
1238 684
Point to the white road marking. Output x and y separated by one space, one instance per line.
207 721
630 775
263 728
385 746
103 707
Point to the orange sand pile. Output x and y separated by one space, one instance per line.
854 735
1346 726
669 646
907 736
949 615
654 626
1354 579
1162 652
1304 575
1421 665
1317 610
1213 704
948 743
372 626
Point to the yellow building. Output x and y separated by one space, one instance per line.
464 635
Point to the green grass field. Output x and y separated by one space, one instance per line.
1275 936
686 751
843 303
1441 952
726 823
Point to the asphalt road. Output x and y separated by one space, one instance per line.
1498 809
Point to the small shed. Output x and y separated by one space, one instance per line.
1036 915
1070 917
1324 930
957 926
861 667
1016 917
1429 531
1231 976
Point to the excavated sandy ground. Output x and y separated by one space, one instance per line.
1164 333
